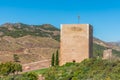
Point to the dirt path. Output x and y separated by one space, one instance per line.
36 65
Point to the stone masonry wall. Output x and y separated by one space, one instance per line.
76 43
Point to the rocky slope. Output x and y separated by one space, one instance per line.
17 30
34 42
28 48
30 42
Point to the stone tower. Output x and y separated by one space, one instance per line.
76 43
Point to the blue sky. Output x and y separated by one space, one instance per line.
104 15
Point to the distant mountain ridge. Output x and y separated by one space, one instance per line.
30 42
37 42
115 43
112 45
19 30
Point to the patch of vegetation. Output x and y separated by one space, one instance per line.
98 50
10 71
16 58
25 76
116 53
19 30
55 59
89 69
29 76
10 68
40 71
48 27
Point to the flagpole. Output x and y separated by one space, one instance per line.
78 19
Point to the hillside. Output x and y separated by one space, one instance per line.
19 30
28 48
36 42
113 45
89 69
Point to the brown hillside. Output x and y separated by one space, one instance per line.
29 48
33 42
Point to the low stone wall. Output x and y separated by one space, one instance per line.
107 54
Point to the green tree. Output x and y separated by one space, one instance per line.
31 76
17 67
9 68
16 58
57 58
53 60
87 69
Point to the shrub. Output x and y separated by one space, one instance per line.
30 76
93 69
53 60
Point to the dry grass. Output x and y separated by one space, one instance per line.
29 48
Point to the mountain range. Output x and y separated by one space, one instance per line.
37 42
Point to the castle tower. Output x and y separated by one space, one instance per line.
76 42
